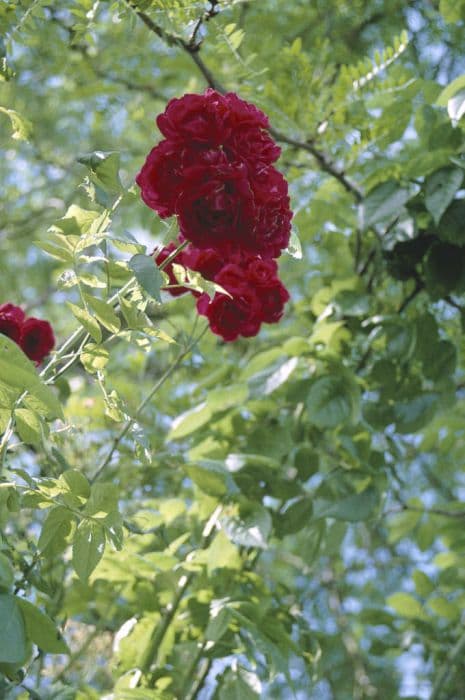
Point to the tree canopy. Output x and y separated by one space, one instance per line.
275 517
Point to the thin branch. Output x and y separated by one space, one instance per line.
193 50
324 162
416 290
457 515
130 422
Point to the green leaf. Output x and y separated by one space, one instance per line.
104 167
103 500
439 360
227 397
6 573
22 127
94 357
41 629
222 554
251 529
17 371
234 687
423 585
332 401
87 321
295 247
147 274
13 649
384 203
440 189
28 426
190 421
411 415
56 528
77 221
220 617
88 547
445 608
451 227
359 506
295 516
406 605
76 483
450 90
104 314
211 477
456 107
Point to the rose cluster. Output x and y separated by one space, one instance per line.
214 171
34 337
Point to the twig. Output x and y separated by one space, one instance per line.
130 422
324 162
417 289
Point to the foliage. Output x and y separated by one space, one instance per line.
277 517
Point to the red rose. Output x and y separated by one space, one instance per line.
261 272
216 208
160 256
37 339
232 278
196 118
207 261
272 298
11 320
273 226
160 178
252 145
232 317
242 113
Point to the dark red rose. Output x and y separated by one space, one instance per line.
11 320
261 272
208 262
216 208
242 113
252 145
232 278
160 256
232 317
160 178
272 298
196 118
273 223
13 311
36 339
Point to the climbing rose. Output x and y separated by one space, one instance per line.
11 319
35 337
232 317
214 171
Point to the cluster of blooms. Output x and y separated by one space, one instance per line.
34 337
214 171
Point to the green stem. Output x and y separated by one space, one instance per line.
130 422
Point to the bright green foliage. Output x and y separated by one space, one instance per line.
278 517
